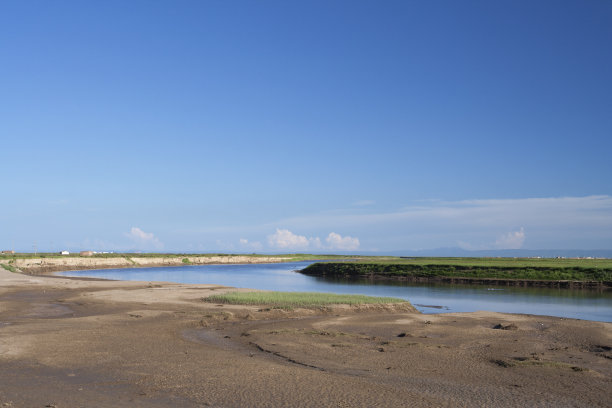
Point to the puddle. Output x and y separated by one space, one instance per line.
433 306
215 338
48 310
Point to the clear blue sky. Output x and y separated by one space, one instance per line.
276 126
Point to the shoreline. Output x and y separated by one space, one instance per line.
40 266
77 342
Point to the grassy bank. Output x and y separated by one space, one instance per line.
593 270
492 262
290 300
9 267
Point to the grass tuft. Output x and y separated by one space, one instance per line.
9 268
290 300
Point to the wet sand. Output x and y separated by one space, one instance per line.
87 343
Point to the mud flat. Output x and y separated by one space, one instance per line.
71 342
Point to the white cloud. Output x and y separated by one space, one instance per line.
138 234
145 240
285 239
552 223
337 241
511 240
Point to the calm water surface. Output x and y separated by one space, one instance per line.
578 304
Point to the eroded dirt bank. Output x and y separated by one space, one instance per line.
37 266
72 343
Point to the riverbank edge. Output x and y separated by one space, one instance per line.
48 266
358 271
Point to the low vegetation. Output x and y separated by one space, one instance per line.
290 300
598 270
9 268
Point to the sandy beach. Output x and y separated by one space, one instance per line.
68 342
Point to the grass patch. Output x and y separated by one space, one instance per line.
546 270
130 260
9 268
290 300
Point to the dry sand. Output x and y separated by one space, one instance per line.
87 343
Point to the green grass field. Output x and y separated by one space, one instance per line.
290 300
499 268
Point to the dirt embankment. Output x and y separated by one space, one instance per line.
37 266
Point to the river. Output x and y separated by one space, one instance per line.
427 298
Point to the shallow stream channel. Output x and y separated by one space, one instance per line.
427 298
